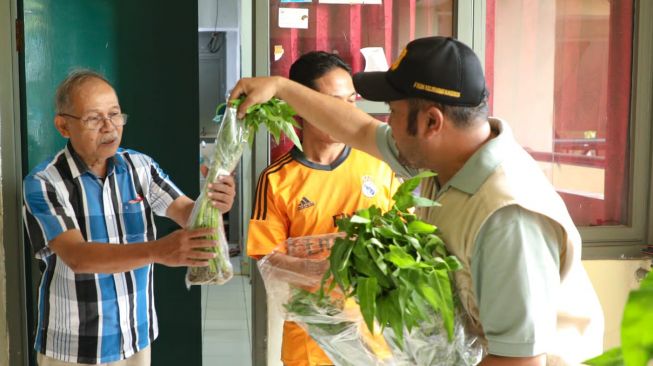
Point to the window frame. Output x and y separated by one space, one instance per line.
619 241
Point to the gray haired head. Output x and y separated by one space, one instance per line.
70 84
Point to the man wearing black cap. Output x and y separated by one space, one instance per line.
522 285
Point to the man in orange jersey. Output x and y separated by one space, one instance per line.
303 193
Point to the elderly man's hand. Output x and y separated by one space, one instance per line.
222 193
184 247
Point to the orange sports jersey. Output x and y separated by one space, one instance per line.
296 197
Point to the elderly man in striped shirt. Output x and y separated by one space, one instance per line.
82 207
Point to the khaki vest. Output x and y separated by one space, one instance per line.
518 180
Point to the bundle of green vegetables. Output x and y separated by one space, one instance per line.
233 136
398 272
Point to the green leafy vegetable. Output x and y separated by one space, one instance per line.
275 114
636 336
395 265
230 142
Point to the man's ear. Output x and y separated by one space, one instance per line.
434 122
61 126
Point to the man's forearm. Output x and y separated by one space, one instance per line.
91 257
338 118
179 248
343 121
180 209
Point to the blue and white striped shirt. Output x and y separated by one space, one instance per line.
95 318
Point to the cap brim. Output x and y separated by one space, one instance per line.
374 86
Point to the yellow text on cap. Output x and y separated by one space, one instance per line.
436 90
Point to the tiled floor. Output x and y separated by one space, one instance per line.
227 319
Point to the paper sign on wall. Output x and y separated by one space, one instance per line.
350 2
293 18
374 59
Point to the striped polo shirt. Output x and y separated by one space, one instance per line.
95 318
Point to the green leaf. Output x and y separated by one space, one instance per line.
611 357
420 227
366 293
413 241
363 212
637 323
368 268
439 279
376 243
387 232
339 262
378 259
409 185
383 310
359 220
289 130
275 114
453 263
360 250
396 317
403 197
400 226
399 257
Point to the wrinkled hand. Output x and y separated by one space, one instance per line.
258 90
222 193
185 247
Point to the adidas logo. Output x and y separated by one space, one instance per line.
305 203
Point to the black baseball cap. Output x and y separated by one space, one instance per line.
440 69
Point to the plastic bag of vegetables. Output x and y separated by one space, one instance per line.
397 272
232 138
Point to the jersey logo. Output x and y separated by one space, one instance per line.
369 188
305 203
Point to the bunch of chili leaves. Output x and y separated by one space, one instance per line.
394 264
275 114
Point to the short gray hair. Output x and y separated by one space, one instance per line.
70 84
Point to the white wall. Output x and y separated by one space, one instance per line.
612 281
218 13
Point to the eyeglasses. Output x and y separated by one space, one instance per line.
96 121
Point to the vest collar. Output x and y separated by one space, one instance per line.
484 161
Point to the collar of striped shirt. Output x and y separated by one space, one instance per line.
79 167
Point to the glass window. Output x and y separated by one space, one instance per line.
344 28
559 73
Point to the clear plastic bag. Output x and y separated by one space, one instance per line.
337 325
229 146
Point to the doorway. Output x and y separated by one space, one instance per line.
226 309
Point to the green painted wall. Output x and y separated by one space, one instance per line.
60 36
148 50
